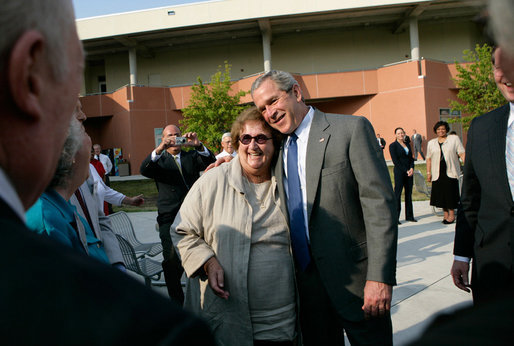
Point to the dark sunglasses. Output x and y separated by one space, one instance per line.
247 139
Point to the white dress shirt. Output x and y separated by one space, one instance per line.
203 152
10 196
302 132
106 162
101 191
509 123
224 153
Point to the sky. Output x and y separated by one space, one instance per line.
92 8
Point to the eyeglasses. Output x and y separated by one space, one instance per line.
247 139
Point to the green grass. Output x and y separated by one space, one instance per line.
132 188
148 189
416 196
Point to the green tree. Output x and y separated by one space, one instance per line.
212 108
478 93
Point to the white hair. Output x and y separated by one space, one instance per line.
226 134
502 15
52 18
74 140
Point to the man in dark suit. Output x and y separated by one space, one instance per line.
417 139
381 141
174 172
51 294
342 215
487 201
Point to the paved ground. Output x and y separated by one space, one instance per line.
425 287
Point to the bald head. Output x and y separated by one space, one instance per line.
42 62
172 131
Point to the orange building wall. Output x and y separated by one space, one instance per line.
389 97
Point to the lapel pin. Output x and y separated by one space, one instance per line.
321 140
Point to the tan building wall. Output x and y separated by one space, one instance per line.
389 97
317 52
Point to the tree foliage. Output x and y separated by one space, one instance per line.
478 93
212 108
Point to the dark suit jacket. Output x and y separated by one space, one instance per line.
53 295
402 161
351 209
172 187
487 201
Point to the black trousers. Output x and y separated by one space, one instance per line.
171 264
322 325
401 180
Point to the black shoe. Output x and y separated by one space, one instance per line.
447 222
399 222
412 220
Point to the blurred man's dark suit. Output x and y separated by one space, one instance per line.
488 207
53 295
173 187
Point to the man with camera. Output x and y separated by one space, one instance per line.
174 172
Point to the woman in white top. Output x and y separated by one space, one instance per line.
234 243
443 170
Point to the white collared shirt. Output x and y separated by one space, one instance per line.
302 132
106 162
224 153
10 196
509 123
203 152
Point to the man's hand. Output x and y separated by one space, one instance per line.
377 299
165 144
215 276
219 161
459 272
135 201
192 139
410 172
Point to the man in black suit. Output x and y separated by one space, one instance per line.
487 200
381 141
339 202
174 172
50 293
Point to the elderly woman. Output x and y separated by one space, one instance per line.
403 161
53 215
234 243
443 170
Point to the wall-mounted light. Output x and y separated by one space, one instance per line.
171 13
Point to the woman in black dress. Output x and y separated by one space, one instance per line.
403 161
443 170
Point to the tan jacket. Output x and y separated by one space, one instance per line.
452 147
215 219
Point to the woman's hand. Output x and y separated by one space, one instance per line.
429 177
215 276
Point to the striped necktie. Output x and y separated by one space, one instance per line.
509 156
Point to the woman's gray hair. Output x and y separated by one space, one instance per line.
284 80
52 18
65 170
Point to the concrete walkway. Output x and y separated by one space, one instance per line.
424 288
